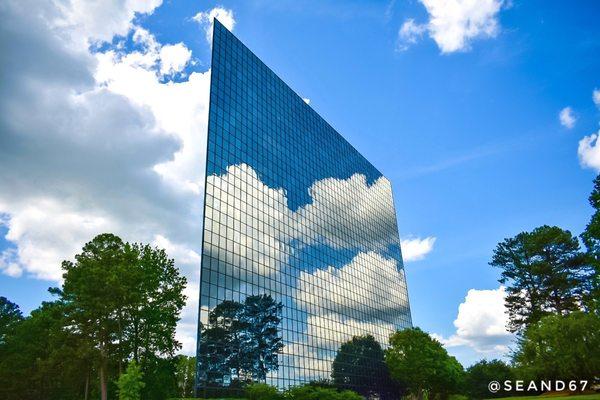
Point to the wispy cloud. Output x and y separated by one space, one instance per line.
567 117
451 162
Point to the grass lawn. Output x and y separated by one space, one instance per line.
554 396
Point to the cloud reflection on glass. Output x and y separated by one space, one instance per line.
294 216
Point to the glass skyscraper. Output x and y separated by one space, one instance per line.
301 250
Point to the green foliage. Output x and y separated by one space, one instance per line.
130 383
458 397
561 347
10 316
591 239
359 365
40 359
262 391
545 273
323 383
185 374
422 364
308 392
119 301
160 378
479 375
124 301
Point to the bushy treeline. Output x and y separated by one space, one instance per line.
311 391
119 304
553 299
110 332
417 365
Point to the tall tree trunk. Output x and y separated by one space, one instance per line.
103 395
135 340
120 352
87 386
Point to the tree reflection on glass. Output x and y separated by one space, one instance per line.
241 342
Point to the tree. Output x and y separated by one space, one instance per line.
160 378
156 291
545 273
479 375
40 359
422 364
130 383
10 316
93 291
124 301
561 347
185 375
359 365
591 239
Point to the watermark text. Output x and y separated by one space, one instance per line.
537 386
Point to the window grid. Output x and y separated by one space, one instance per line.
286 200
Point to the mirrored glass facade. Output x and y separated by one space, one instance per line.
300 247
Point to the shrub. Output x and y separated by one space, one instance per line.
323 383
479 375
130 383
308 392
262 391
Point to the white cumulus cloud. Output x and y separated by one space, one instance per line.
589 152
454 24
92 21
94 142
414 249
567 117
207 20
589 149
173 58
481 323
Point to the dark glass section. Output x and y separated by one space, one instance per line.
300 247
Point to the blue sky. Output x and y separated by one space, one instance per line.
460 110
